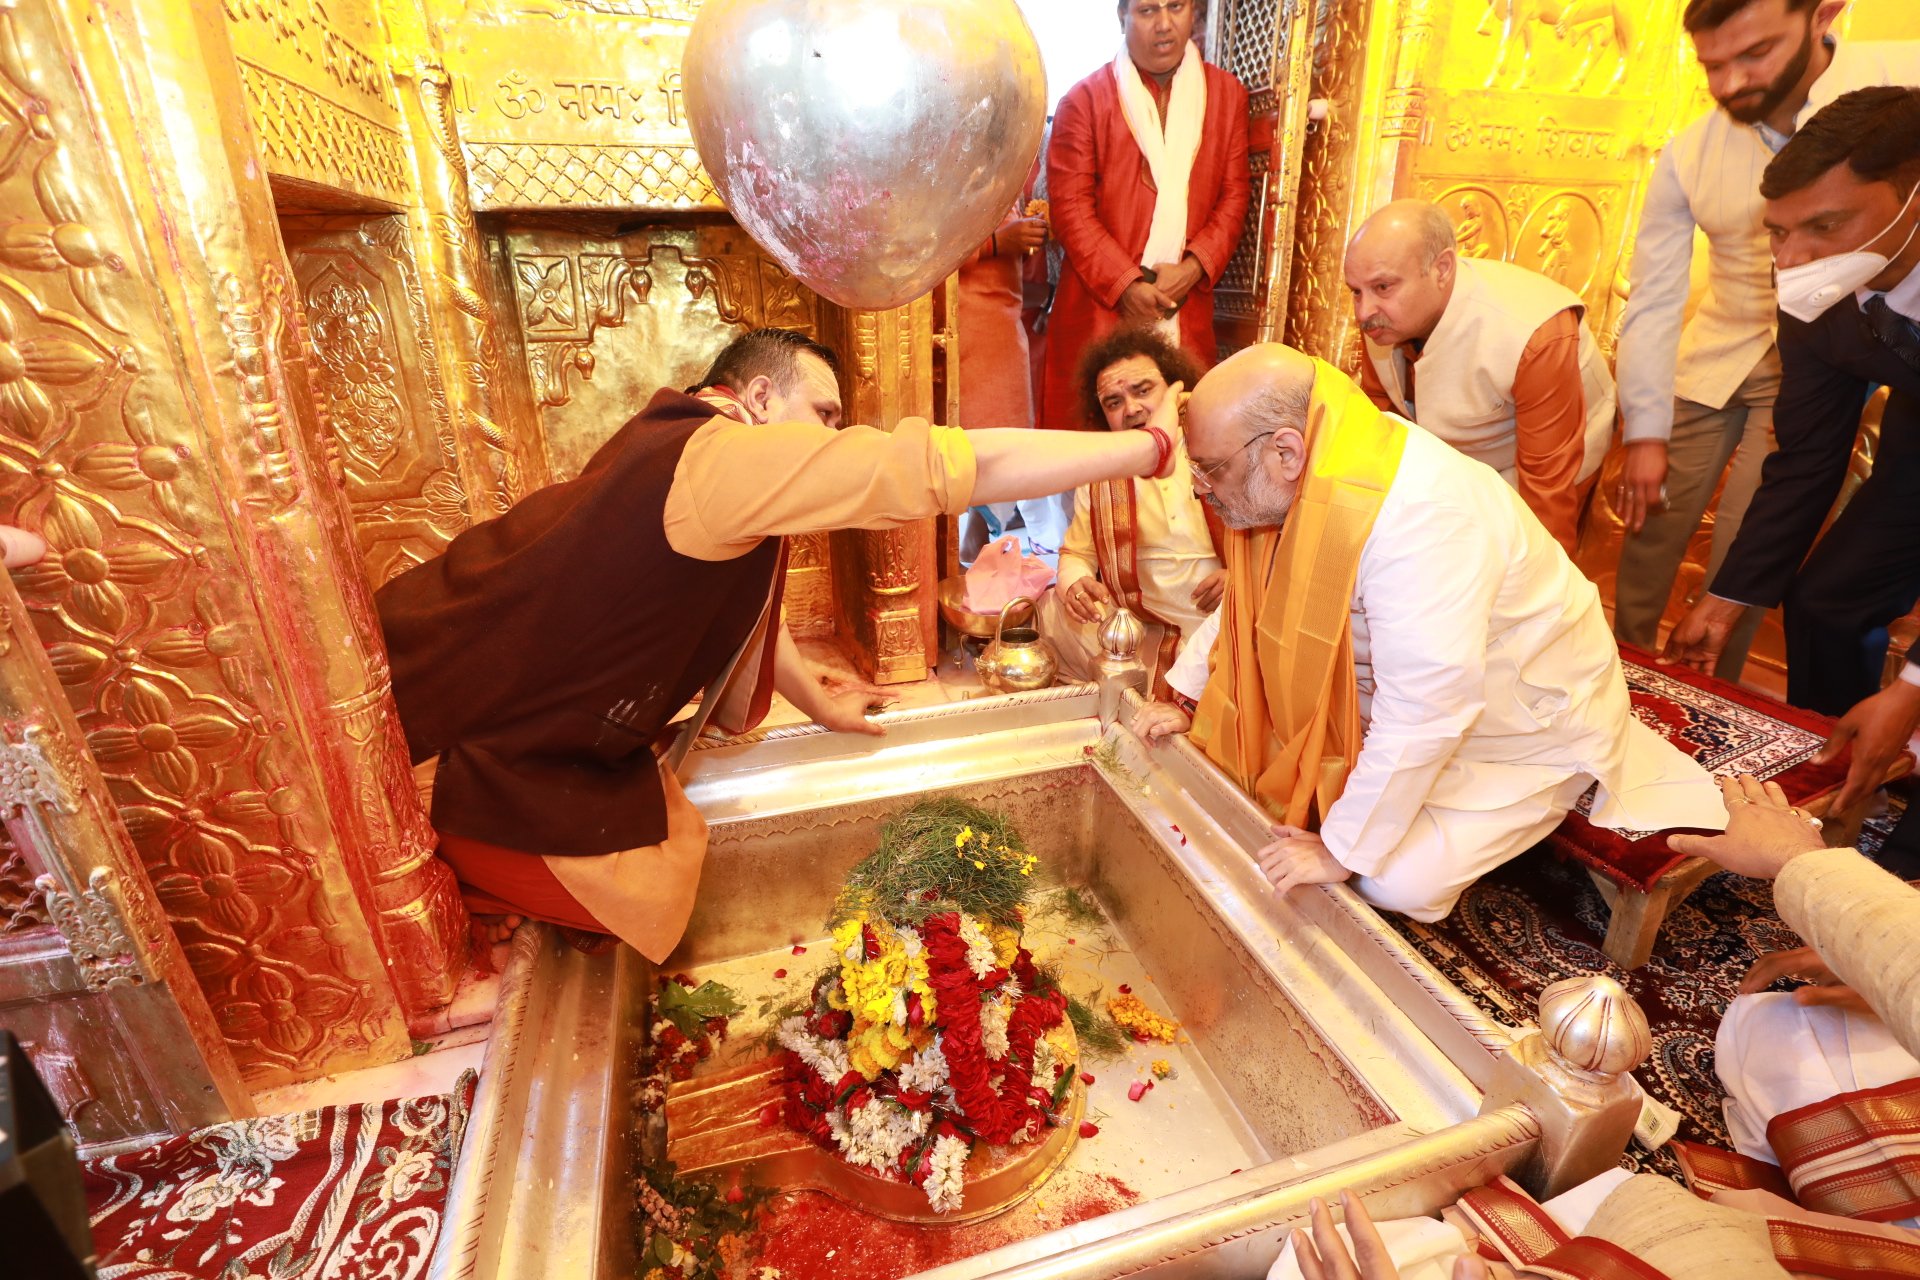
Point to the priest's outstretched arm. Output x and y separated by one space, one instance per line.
738 483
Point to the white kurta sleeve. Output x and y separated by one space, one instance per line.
1426 586
1077 558
1189 672
1656 306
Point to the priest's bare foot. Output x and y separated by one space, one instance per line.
489 931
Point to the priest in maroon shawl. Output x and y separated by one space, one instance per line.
543 658
1148 184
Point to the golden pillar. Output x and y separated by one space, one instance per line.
203 601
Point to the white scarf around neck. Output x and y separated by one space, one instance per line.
1170 151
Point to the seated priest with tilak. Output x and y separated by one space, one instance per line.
1410 675
1494 359
1147 543
543 657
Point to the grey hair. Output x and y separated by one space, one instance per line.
1280 403
1436 232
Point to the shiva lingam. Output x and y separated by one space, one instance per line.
716 1126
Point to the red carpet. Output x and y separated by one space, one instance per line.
1539 919
343 1193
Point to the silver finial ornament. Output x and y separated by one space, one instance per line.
1592 1025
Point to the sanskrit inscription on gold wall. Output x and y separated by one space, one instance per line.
318 94
1532 122
573 103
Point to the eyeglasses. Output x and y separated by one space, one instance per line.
1204 475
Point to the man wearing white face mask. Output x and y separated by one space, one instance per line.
1844 215
1697 391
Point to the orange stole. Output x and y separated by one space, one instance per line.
1281 712
1113 511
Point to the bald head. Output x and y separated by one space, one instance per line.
1400 269
1246 433
1419 228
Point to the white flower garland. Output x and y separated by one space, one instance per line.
878 1132
995 1015
1045 1060
980 957
926 1071
828 1058
946 1179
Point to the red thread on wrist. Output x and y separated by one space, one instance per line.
1163 463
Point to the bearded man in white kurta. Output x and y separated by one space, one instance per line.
1410 674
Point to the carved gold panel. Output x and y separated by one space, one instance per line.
378 385
608 320
1335 171
886 578
315 78
573 103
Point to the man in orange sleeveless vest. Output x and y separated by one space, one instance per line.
1494 359
544 656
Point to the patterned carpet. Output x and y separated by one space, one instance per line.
1539 919
344 1193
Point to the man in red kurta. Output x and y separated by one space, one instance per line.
1148 183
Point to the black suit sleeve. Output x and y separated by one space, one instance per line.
1815 420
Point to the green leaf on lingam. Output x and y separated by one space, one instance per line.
687 1009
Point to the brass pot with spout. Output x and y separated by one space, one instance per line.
1017 659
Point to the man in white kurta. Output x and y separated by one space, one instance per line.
1489 691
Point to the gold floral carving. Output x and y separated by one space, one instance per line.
23 906
374 372
1318 317
252 325
146 602
305 136
481 405
40 769
569 296
588 176
94 924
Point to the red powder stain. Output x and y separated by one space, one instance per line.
779 973
799 950
800 1229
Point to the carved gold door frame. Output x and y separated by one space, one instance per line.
1268 46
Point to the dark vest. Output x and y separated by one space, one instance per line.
543 653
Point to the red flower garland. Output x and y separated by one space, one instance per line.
996 1116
